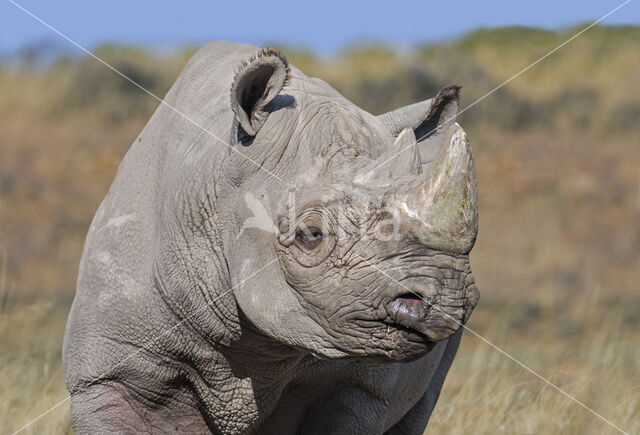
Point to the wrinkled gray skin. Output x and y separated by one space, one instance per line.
214 297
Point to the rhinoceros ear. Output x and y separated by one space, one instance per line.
425 116
257 82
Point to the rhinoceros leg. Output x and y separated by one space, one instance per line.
415 421
112 409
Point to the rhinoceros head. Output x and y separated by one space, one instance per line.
359 234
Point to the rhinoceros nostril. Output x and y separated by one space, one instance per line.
408 309
410 299
410 296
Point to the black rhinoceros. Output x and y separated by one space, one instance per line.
273 259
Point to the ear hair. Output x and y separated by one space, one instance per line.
446 95
267 51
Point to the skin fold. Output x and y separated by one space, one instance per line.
270 258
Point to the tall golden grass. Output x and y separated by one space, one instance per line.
557 259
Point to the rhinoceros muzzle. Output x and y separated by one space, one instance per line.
435 204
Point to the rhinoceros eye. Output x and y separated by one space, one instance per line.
309 238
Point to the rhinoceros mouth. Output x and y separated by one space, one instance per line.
411 335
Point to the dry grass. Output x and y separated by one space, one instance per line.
557 259
486 392
31 377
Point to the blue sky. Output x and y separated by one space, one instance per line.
324 26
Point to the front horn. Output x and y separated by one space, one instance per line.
440 207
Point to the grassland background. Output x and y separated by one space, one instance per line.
557 259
